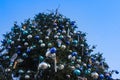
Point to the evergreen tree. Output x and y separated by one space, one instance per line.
49 47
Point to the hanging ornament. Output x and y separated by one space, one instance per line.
41 58
101 76
61 66
88 71
26 44
37 37
25 32
43 65
29 36
59 42
48 32
63 47
13 57
77 65
56 36
72 67
9 41
12 42
78 60
64 31
27 77
15 77
24 55
49 44
20 71
40 41
77 72
47 37
42 45
74 53
53 50
94 75
18 39
75 42
78 35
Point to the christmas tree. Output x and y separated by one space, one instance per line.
49 47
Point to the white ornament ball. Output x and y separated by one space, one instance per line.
61 66
64 32
43 65
58 33
12 42
18 39
42 45
55 36
78 60
29 36
27 77
69 56
73 58
72 67
54 29
47 37
53 55
94 75
77 66
63 47
26 43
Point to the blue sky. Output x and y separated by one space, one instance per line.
99 18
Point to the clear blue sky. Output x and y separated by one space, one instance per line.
99 18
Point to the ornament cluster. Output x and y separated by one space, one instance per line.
50 44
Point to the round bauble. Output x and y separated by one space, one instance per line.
40 41
28 71
27 77
18 39
101 76
42 45
77 65
77 72
43 65
53 55
73 58
61 66
94 75
37 37
53 50
58 33
26 44
55 36
19 47
69 56
25 32
75 42
88 71
41 58
20 71
74 53
72 67
29 36
49 44
63 47
12 42
54 29
47 37
61 37
64 31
